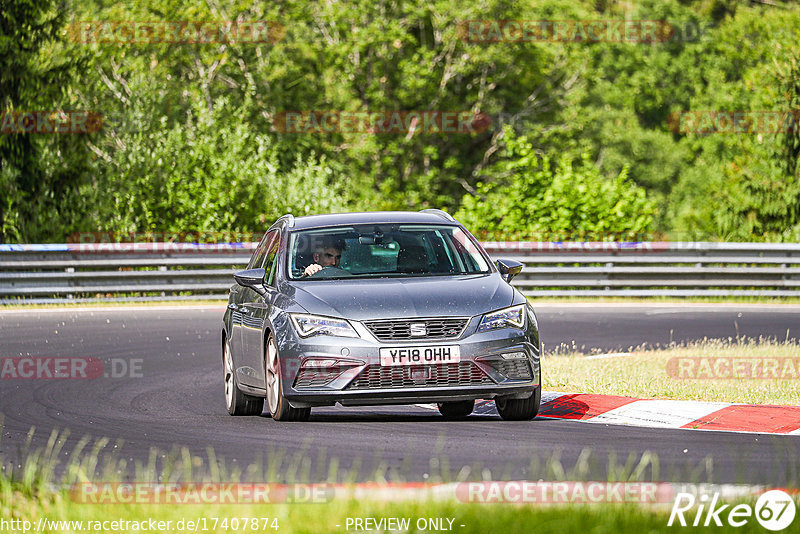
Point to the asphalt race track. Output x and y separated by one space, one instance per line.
165 391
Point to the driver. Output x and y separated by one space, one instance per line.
327 253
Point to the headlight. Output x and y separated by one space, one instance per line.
513 317
314 325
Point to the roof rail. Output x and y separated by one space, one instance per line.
289 219
441 213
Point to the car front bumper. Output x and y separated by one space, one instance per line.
360 379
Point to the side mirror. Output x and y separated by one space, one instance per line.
252 278
509 269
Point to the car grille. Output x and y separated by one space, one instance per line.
314 377
513 369
448 375
401 329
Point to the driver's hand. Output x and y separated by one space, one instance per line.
312 269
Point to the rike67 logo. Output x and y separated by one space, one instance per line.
774 510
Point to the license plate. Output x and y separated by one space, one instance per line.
420 355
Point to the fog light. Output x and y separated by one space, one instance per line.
514 356
330 362
325 363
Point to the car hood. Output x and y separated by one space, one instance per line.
386 298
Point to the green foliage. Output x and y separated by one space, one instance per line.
546 200
189 141
35 75
743 187
208 173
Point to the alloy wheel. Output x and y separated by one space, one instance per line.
229 385
273 370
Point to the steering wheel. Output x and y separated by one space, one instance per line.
331 272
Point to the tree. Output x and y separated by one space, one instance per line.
205 174
37 171
743 186
543 199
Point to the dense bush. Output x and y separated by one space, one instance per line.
543 199
190 143
208 173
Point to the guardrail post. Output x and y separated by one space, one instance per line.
72 283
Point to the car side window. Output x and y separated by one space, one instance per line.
270 265
261 252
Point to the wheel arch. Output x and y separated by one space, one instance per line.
222 341
267 332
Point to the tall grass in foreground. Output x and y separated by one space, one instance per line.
34 487
34 482
39 470
332 517
645 373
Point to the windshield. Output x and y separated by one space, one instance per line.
383 250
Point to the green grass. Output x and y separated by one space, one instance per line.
30 491
332 517
37 486
54 465
644 373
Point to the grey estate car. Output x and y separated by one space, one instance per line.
409 308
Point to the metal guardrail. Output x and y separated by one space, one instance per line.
188 270
675 269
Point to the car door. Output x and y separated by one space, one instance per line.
255 309
236 303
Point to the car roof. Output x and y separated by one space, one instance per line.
371 217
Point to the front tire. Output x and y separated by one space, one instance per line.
279 407
456 409
519 409
236 402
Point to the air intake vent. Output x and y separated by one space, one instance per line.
448 375
512 369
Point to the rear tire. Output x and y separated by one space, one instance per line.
279 408
520 409
236 402
456 409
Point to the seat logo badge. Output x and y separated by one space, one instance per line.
418 329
